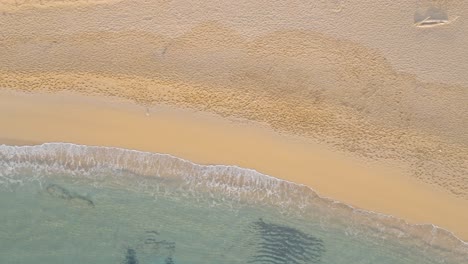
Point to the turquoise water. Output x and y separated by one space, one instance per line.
65 203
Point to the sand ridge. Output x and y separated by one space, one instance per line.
304 64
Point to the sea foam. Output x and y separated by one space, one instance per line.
164 173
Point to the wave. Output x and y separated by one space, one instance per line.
166 173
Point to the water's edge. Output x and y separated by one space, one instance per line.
236 183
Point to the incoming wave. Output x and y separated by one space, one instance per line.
232 183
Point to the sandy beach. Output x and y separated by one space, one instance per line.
210 139
369 110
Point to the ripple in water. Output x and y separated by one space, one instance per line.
66 203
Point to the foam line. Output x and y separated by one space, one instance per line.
233 181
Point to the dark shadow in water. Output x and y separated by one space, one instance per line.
169 260
153 242
281 244
130 257
153 247
62 193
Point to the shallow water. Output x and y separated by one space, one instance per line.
65 203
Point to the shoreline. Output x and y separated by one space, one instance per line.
205 138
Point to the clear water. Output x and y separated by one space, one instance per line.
64 203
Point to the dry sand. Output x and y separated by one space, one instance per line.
210 139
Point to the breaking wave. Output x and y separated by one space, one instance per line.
164 174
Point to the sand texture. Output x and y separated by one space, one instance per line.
210 139
361 79
435 158
19 5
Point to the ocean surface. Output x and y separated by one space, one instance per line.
66 203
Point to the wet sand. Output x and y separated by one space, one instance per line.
209 139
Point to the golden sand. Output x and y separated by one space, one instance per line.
431 146
210 139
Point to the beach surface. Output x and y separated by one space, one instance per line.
366 103
29 119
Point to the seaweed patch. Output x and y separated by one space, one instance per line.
62 193
281 244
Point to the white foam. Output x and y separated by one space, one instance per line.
232 182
